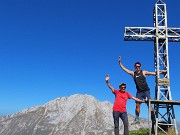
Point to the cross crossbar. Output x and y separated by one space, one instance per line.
149 34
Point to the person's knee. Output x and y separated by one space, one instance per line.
138 106
126 125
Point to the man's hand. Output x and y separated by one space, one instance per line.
108 84
119 59
163 72
107 78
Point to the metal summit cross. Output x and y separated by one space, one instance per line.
161 35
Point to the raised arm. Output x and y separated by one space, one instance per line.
125 69
152 73
108 84
148 73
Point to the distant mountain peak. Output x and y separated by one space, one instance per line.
74 115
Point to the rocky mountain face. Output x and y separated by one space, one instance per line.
74 115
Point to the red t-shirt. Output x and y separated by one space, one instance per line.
121 100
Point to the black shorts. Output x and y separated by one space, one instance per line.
142 95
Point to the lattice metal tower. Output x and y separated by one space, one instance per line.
161 35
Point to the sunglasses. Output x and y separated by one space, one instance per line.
123 87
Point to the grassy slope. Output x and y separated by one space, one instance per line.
145 131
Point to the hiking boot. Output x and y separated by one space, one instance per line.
136 121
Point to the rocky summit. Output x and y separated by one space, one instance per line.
73 115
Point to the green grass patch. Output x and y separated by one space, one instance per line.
143 131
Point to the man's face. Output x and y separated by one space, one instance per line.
123 87
137 67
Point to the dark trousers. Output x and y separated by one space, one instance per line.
124 118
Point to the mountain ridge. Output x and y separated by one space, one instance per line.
74 115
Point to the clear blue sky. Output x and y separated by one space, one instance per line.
56 48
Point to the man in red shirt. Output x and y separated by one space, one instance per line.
119 107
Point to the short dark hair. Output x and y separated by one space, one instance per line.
122 84
137 63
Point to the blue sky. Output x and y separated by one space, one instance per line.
56 48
